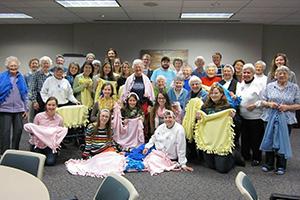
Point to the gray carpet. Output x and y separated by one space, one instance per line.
203 183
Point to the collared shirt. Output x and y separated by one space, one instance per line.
36 85
199 74
262 79
227 83
43 119
171 141
14 103
61 89
288 95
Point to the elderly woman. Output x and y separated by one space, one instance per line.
260 67
199 63
196 89
177 93
281 99
280 59
36 85
238 68
211 75
13 104
59 87
160 85
140 84
228 81
250 111
90 57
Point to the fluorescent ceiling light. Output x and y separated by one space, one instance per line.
206 15
14 16
88 3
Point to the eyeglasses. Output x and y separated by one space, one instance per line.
161 98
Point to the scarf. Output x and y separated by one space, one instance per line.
189 119
214 133
6 86
86 95
276 135
106 103
234 103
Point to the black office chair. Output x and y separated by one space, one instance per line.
247 189
30 162
116 187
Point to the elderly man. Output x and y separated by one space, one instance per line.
169 137
164 70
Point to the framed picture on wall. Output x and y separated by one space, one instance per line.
156 55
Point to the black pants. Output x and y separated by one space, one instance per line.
222 164
6 121
50 156
273 156
252 135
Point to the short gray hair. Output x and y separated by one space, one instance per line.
262 63
10 59
199 58
249 66
195 79
160 77
178 78
46 59
90 55
283 69
211 65
137 62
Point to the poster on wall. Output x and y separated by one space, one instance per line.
156 55
71 57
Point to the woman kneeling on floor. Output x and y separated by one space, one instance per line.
47 132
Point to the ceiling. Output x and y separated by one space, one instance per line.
281 12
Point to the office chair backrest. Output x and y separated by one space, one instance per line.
245 186
30 162
116 187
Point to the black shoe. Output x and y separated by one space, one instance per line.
255 163
238 159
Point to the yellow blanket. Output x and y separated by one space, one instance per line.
99 86
74 116
189 119
86 94
214 133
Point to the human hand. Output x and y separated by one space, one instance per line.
78 103
273 105
232 113
125 121
187 169
251 107
283 107
25 115
145 151
198 115
36 106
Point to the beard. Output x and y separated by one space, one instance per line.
165 66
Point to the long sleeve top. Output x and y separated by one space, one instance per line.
171 141
59 88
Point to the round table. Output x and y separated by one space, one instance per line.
18 184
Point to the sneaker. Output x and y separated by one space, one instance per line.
255 163
280 171
267 168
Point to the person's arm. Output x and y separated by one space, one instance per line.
94 112
70 95
150 143
77 88
45 90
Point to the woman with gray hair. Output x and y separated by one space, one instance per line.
36 85
196 89
140 84
13 104
260 67
211 77
281 99
252 127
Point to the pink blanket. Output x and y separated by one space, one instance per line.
98 166
130 135
42 136
157 162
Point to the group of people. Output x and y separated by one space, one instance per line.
172 107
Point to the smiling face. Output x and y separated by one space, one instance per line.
169 120
161 83
216 59
59 73
126 69
282 77
215 95
107 91
138 69
104 118
211 72
132 102
165 64
106 69
51 107
146 60
87 70
259 69
238 67
178 65
178 85
186 72
279 61
117 63
195 86
34 65
74 69
45 65
96 68
161 99
60 61
227 73
111 54
247 75
13 67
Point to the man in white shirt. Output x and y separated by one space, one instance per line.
169 137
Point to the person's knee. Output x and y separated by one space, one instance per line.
50 159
